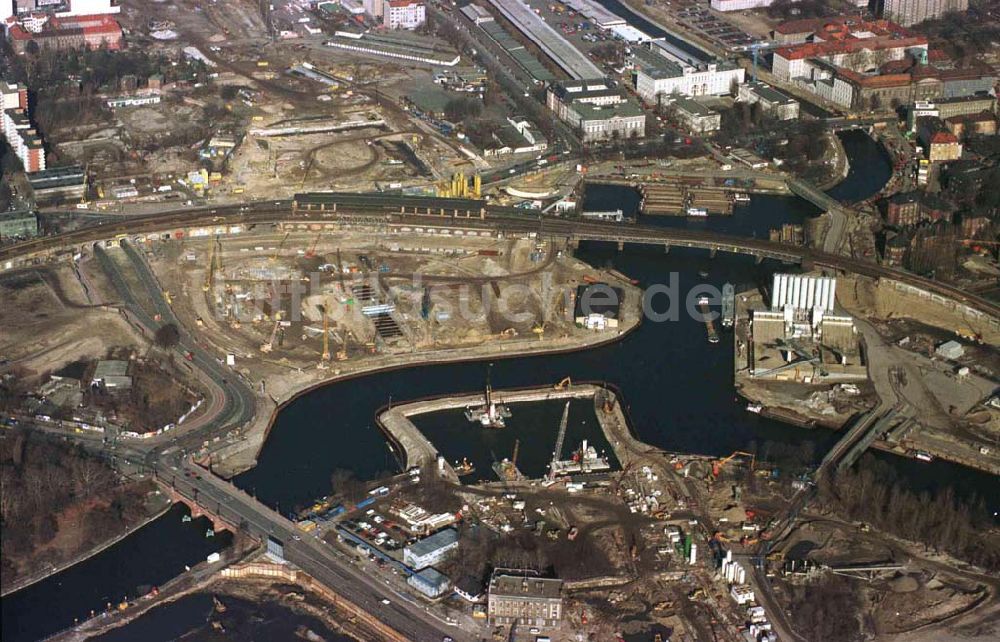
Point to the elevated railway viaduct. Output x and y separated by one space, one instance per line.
442 215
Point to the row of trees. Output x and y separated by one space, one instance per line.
940 521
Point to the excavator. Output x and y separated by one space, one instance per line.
562 385
718 465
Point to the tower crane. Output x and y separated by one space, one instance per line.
326 337
274 257
311 252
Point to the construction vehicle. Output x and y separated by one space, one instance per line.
539 329
562 385
718 465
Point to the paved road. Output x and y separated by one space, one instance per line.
316 558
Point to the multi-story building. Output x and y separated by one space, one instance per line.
13 96
66 33
694 116
658 74
20 224
774 103
430 550
942 146
740 5
597 110
6 9
524 600
903 209
856 45
403 14
911 12
23 139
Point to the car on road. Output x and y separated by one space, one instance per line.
385 601
297 538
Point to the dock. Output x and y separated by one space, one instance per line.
728 305
683 196
417 450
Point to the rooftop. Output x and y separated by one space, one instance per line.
840 27
943 138
110 368
432 577
434 542
692 107
770 94
522 586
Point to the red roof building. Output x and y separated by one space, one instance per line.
69 33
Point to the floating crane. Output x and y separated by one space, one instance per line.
559 441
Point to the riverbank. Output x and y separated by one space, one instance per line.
34 578
242 452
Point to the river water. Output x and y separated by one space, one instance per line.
149 557
676 386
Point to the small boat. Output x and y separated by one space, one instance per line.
697 211
186 518
923 455
464 468
741 197
703 300
755 408
703 273
210 533
713 338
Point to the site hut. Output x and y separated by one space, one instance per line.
430 550
524 600
430 582
695 116
773 102
598 306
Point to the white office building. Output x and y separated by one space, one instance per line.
403 14
656 74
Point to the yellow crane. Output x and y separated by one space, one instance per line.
539 329
326 337
267 347
274 257
210 274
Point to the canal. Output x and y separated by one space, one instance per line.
677 388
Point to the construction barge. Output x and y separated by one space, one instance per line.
688 198
713 335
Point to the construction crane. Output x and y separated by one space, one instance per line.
311 252
562 385
340 271
559 441
274 257
326 337
267 347
214 260
718 464
539 329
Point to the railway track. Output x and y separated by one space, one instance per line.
498 219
